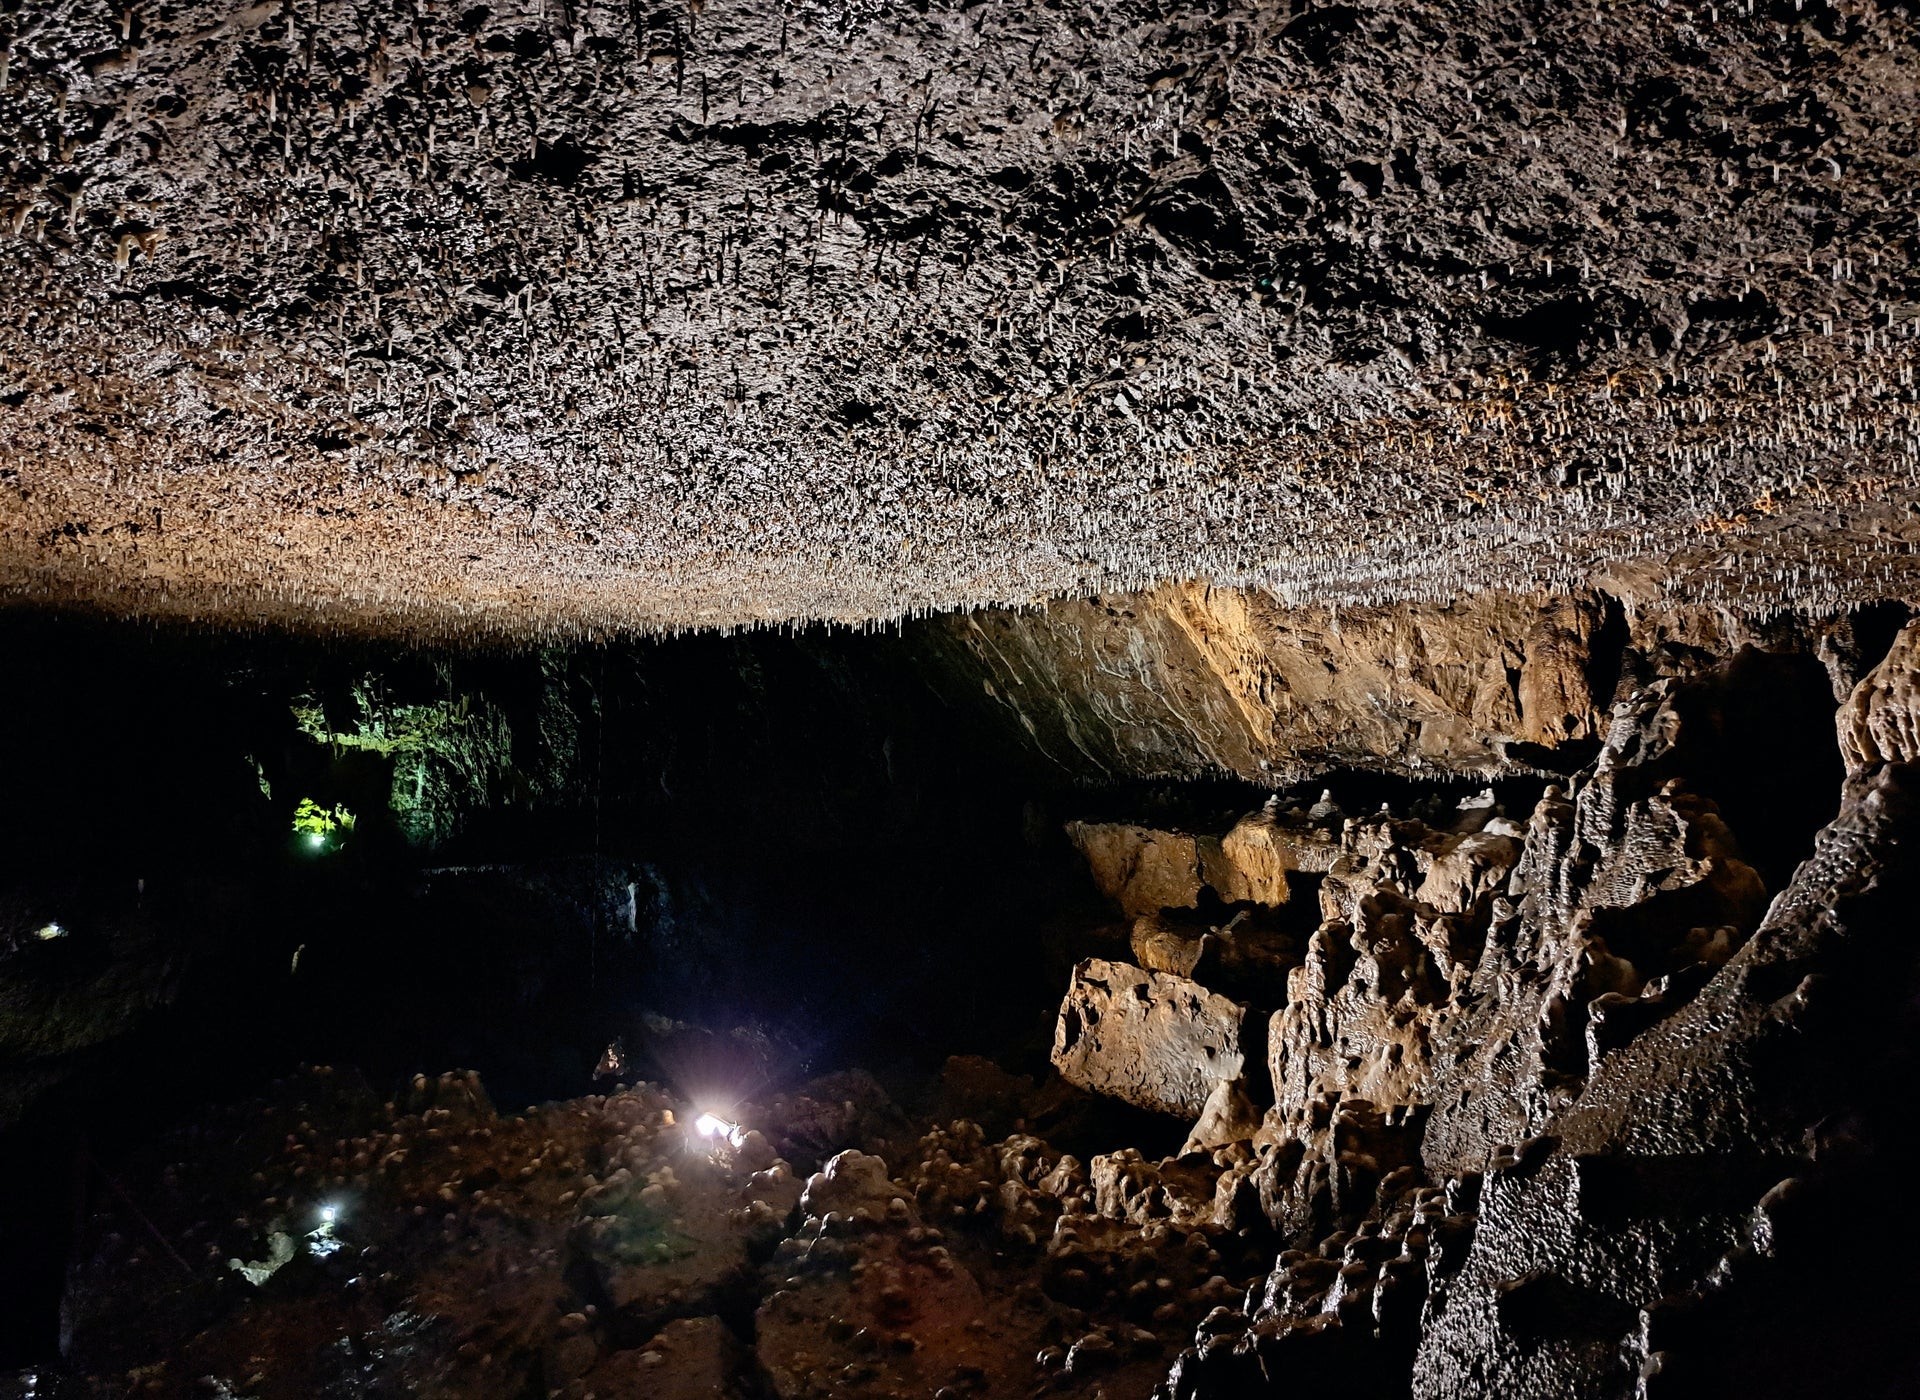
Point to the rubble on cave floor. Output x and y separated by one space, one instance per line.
321 1242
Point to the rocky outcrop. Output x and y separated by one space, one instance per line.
1146 872
1185 680
1556 1102
1680 1184
1157 1041
1880 722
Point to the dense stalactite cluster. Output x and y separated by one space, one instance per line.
579 317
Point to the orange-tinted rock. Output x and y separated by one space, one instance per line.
1140 869
1157 1041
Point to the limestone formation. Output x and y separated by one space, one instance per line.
1880 722
1187 679
1157 1041
1140 870
1547 1093
1549 1090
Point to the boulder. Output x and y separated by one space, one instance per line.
1140 869
1155 1040
1261 850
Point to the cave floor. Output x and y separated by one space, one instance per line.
318 1241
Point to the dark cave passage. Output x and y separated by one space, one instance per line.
790 840
770 935
957 700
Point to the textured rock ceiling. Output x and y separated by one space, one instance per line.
543 316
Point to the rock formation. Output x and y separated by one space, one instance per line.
1564 1083
584 318
1554 1101
1348 524
1153 1039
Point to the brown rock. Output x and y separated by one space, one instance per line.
1262 850
1229 1117
1128 1187
1185 679
1157 1041
1162 945
879 1308
1139 869
1880 723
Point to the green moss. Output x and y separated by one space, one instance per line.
449 755
311 819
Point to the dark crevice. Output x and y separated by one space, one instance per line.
1759 739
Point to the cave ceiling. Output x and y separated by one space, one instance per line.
544 317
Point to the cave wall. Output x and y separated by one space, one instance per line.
1428 1028
1569 1093
1194 681
682 803
1187 679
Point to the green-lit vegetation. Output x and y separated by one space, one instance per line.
321 826
446 754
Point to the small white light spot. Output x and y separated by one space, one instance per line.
46 933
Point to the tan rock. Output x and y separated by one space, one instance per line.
1459 871
1140 869
1161 945
1187 679
1128 1187
1229 1117
1157 1041
1880 723
1246 958
1260 852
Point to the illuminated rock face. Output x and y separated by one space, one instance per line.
1186 679
1558 1092
570 318
1157 1041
